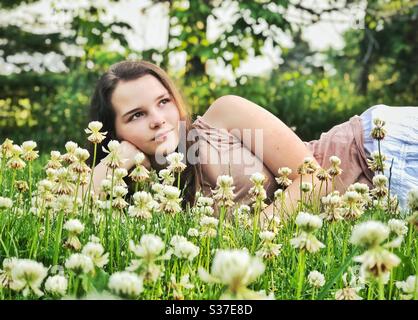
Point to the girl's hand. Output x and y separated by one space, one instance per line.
128 151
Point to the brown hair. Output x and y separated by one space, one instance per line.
101 109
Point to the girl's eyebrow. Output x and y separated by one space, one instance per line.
140 108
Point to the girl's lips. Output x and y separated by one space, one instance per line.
162 137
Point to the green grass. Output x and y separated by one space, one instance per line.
41 237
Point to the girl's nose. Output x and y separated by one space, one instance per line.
157 120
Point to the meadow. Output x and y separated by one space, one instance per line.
59 240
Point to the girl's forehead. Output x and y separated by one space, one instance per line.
137 93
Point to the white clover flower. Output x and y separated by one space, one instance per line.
113 145
269 250
234 268
335 161
378 132
171 192
5 203
306 241
93 129
93 238
409 287
369 233
56 285
184 249
413 199
29 145
244 209
284 171
351 287
148 251
79 263
120 191
361 188
380 180
143 205
192 232
5 148
306 187
113 159
82 154
150 246
267 235
376 261
157 188
331 204
120 173
257 178
283 180
6 273
106 185
28 153
170 201
27 275
55 160
278 194
95 126
139 158
74 226
398 227
209 221
257 192
316 279
177 239
204 202
15 162
126 284
308 222
70 146
175 162
351 196
347 294
95 251
179 286
224 192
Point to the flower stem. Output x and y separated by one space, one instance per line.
30 179
58 234
300 274
207 252
381 289
220 225
91 179
255 226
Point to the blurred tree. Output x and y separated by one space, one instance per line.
42 97
381 55
250 25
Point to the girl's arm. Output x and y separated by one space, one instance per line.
281 147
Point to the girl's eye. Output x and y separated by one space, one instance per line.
165 101
136 115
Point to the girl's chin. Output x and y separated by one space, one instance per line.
165 149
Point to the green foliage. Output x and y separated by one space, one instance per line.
377 65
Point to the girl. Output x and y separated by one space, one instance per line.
140 106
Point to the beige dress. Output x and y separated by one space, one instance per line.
219 150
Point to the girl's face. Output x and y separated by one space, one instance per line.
146 115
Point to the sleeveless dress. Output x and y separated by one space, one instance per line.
222 153
350 141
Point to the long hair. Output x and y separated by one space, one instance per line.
101 109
